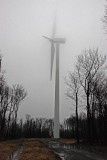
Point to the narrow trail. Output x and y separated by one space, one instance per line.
15 155
72 151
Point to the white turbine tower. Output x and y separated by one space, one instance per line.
55 43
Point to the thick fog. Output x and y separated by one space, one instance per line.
26 54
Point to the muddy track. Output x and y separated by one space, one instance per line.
15 154
72 152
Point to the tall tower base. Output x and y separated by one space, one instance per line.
56 114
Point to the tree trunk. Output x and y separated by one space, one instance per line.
77 124
88 117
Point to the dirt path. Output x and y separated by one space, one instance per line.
35 150
8 147
73 152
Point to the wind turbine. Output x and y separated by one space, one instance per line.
55 43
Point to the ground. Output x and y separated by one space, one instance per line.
32 150
39 149
36 150
97 148
7 147
67 141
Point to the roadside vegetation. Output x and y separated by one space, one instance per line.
87 87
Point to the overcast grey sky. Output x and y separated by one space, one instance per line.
26 54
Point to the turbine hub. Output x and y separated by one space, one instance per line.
58 40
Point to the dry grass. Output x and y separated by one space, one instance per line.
7 147
35 150
67 141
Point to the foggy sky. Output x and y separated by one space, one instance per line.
26 54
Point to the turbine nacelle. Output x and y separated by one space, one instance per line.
59 40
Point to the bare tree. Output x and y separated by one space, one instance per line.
10 99
89 63
100 93
4 103
73 93
18 95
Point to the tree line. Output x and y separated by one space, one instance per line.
86 86
10 99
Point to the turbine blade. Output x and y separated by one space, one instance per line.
47 38
52 44
54 24
52 58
